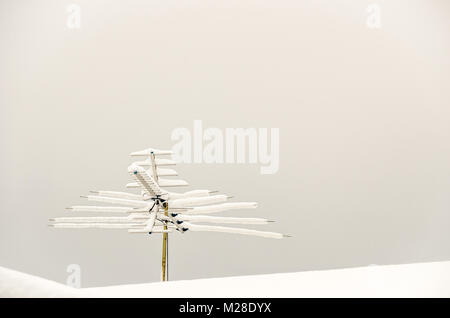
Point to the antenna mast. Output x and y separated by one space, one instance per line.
165 235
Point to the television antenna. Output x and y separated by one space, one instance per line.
156 210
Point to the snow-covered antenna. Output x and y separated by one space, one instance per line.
155 210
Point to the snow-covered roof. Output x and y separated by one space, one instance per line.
410 280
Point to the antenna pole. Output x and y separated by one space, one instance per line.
154 168
165 251
165 246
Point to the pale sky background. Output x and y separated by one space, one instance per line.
363 113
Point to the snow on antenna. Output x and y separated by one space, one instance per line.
155 210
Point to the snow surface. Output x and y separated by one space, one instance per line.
410 280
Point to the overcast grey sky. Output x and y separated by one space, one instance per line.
363 113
